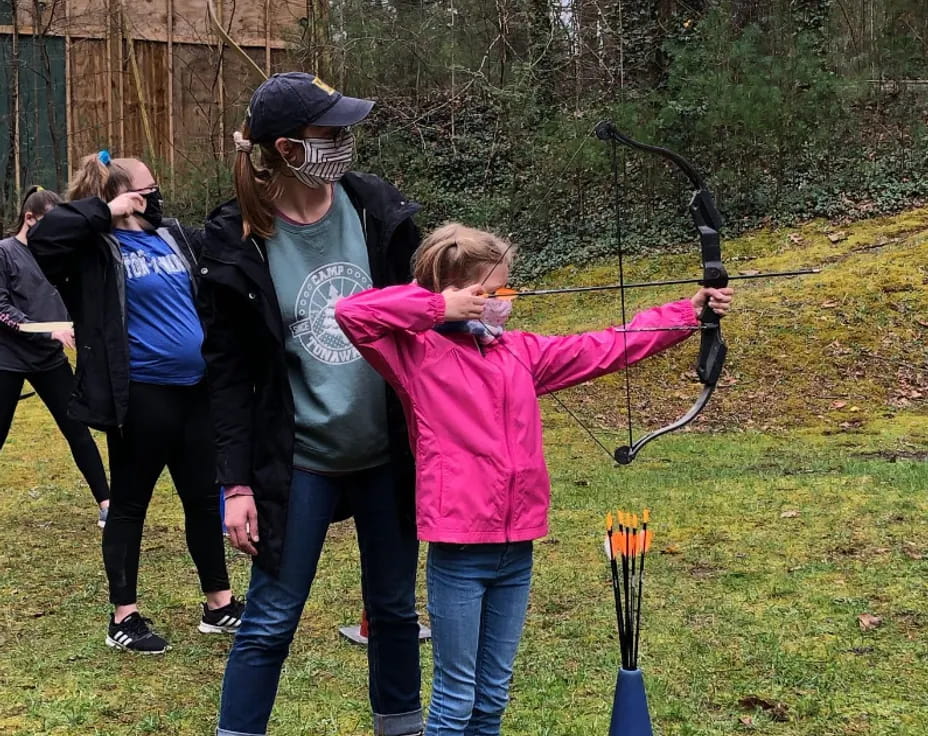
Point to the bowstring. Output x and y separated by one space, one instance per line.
618 232
497 338
543 200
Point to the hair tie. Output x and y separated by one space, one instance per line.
39 188
104 157
242 143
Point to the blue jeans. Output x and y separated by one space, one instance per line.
478 595
272 610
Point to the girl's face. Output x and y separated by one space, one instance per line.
493 277
30 219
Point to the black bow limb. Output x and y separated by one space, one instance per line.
712 348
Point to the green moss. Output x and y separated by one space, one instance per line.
803 351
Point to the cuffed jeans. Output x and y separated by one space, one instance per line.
478 595
274 605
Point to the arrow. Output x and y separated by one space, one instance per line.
506 293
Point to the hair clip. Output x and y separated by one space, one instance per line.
104 157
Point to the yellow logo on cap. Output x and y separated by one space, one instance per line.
323 86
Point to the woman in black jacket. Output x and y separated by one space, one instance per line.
26 296
127 278
305 429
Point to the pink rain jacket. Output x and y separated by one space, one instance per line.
472 410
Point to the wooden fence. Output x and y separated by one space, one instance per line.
143 78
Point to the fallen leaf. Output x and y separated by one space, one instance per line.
671 550
795 238
911 551
837 237
880 550
830 304
751 272
856 424
839 405
791 514
746 721
868 621
776 710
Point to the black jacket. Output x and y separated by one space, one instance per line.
74 245
251 400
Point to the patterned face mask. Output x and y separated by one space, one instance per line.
324 159
488 328
493 322
496 312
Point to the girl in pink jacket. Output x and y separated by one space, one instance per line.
469 390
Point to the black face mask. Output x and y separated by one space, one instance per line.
153 208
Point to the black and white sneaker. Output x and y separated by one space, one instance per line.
133 634
225 620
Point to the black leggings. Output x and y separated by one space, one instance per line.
166 426
54 388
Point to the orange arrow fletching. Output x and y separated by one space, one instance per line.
505 293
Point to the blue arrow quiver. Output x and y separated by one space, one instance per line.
630 715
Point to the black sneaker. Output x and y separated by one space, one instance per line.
225 620
132 634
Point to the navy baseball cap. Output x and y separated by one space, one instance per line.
289 101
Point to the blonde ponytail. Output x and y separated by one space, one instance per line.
454 255
94 178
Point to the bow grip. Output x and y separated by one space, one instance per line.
712 348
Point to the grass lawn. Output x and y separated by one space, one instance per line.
772 538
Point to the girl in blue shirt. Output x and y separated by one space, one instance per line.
128 274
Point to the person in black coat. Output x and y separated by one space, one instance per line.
127 276
306 431
27 296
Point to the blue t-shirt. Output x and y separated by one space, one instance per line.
165 335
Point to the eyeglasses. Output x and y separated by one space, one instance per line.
145 190
335 133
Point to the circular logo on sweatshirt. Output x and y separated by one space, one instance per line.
315 325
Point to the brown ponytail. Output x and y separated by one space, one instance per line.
453 255
93 178
256 187
38 201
